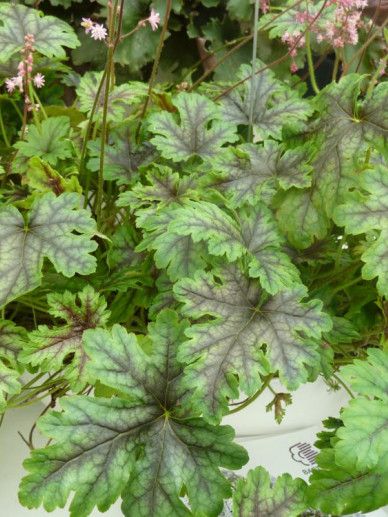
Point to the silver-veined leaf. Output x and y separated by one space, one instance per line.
47 231
144 447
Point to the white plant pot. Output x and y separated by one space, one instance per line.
279 448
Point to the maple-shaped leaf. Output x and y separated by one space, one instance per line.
200 130
120 97
346 490
145 447
231 344
257 496
123 158
155 205
47 231
365 213
251 172
364 436
12 339
62 347
49 141
254 235
275 105
345 130
50 34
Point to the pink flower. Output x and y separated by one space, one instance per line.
39 80
98 32
293 67
154 19
87 24
10 85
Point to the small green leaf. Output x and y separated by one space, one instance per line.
61 348
146 447
43 178
49 141
47 232
121 98
256 496
200 131
50 34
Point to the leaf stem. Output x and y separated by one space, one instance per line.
254 56
310 63
3 130
251 399
345 387
155 66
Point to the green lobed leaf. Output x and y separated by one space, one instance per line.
364 436
275 105
121 98
62 347
51 34
341 491
366 213
250 172
49 141
47 231
244 319
122 159
345 130
199 132
145 447
256 496
254 234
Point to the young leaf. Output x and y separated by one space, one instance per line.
275 104
46 232
364 435
192 136
254 235
145 447
43 178
249 172
360 215
48 141
344 131
50 34
256 496
62 347
230 345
